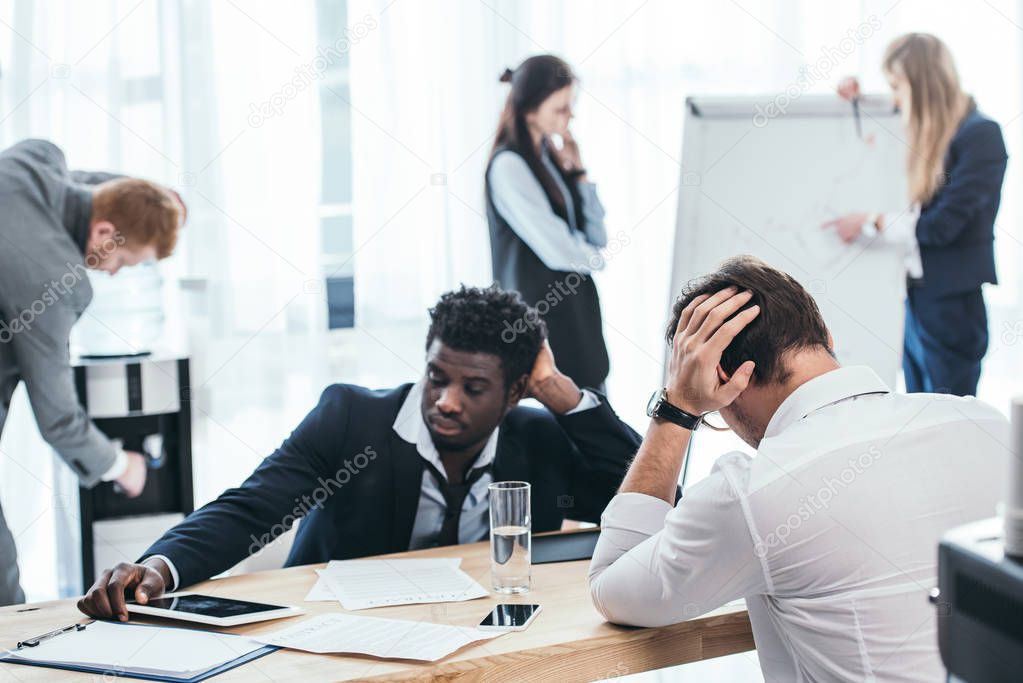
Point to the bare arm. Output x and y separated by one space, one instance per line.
556 391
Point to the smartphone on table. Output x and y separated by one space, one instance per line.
510 617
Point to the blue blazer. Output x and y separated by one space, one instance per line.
956 228
346 456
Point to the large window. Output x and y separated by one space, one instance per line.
336 181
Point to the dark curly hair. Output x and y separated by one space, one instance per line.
489 320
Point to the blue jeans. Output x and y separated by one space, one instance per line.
945 341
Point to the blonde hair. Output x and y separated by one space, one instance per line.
143 212
937 106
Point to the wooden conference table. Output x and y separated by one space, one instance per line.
568 641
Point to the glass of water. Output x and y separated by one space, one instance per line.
510 536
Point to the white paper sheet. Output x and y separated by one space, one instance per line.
146 649
321 592
385 638
363 584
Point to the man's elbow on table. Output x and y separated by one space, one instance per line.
624 601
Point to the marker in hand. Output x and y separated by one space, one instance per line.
849 89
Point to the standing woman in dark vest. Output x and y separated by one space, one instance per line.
955 164
546 222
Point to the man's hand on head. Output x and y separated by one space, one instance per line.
544 368
549 386
705 329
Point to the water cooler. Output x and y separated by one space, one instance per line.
142 402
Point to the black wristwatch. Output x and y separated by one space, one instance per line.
661 408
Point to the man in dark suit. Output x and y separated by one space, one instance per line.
373 472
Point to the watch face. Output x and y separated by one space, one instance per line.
652 403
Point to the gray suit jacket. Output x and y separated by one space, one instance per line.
44 226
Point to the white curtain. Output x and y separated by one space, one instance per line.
167 90
202 96
425 86
423 103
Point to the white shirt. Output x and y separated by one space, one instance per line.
117 469
520 199
830 532
900 228
474 522
473 525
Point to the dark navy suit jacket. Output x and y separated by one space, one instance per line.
346 456
956 228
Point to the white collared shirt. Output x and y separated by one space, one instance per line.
474 522
900 228
830 532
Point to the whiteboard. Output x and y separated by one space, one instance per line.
762 185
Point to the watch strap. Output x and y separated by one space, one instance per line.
672 413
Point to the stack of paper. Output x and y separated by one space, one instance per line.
362 584
391 638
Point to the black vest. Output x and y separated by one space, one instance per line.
567 301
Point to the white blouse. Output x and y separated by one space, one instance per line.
520 199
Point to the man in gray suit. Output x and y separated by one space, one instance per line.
54 225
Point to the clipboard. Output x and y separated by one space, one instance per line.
132 671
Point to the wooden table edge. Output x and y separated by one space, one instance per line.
627 651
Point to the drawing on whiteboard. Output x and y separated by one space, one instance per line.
812 244
770 196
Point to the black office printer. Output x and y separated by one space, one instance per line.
980 605
979 598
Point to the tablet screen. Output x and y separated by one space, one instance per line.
576 545
210 606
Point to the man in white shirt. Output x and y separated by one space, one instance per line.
830 533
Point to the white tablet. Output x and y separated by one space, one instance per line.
211 609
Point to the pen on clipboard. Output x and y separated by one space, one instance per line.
856 115
32 642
